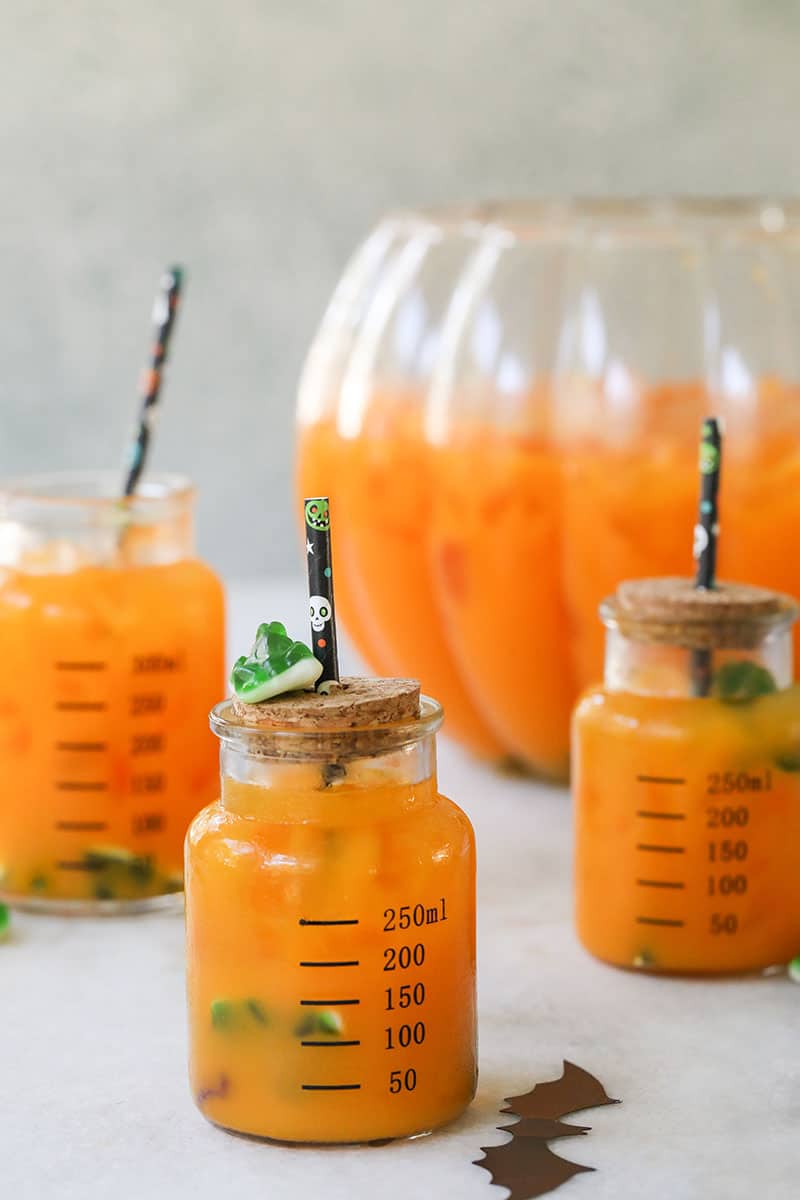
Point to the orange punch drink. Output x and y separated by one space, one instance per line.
687 807
382 480
331 922
111 649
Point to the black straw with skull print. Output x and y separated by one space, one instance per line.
321 608
706 532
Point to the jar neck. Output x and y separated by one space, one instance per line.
363 788
658 669
67 520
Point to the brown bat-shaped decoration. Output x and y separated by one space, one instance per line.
574 1091
526 1165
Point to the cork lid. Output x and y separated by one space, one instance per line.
357 702
673 611
360 717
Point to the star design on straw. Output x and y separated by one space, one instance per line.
309 547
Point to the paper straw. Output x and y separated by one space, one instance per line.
322 611
706 532
164 310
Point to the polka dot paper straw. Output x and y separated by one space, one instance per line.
706 532
164 311
320 587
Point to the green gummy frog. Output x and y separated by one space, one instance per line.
275 665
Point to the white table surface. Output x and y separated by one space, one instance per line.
95 1101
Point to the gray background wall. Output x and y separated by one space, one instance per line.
256 141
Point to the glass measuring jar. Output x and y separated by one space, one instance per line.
687 806
331 928
111 650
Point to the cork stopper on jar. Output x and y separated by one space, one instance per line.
673 611
360 717
355 703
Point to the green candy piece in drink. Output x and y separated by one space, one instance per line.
275 665
257 1011
5 922
329 1022
741 682
222 1014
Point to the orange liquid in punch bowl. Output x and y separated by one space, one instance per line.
687 807
330 914
381 482
111 644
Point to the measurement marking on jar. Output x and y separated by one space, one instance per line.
725 783
331 1045
81 706
147 664
151 822
660 849
83 747
81 666
660 816
418 914
668 779
81 826
330 1087
660 883
342 921
146 703
81 785
353 962
327 1003
660 921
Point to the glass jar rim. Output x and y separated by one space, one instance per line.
93 495
671 610
667 220
93 488
293 743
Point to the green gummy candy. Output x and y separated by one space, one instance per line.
5 922
329 1022
788 760
794 969
276 664
221 1014
141 868
740 682
257 1011
307 1024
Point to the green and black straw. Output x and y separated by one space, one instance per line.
320 588
164 311
706 532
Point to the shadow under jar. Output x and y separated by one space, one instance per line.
687 806
331 935
111 649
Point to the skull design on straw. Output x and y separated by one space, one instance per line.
319 609
318 514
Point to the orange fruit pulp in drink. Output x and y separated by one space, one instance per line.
381 490
479 565
496 558
382 1042
108 675
687 830
628 513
